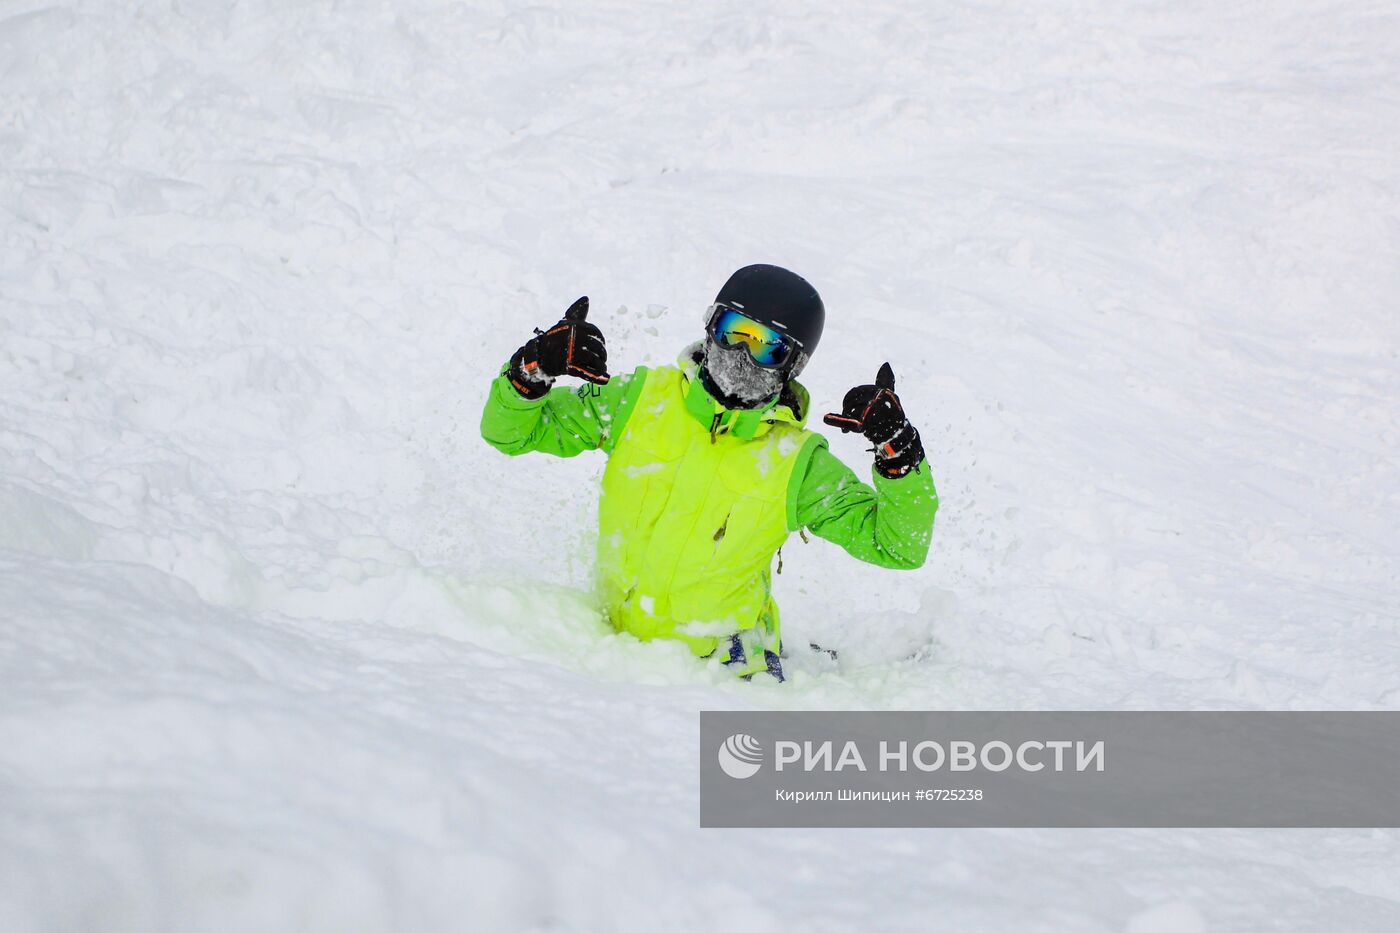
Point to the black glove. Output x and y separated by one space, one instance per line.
875 411
573 347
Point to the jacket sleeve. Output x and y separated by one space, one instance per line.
565 423
889 525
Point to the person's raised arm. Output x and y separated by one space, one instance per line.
890 524
525 411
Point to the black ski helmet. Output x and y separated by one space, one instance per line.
784 301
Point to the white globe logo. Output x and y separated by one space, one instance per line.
741 756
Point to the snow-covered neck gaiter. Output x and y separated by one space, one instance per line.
741 383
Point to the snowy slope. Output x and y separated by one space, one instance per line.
284 645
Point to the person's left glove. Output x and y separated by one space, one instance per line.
573 347
875 411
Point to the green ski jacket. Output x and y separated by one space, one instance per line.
697 498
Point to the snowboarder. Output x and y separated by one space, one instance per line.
711 467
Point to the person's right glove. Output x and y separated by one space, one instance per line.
573 347
875 411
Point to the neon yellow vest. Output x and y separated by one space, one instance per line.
689 521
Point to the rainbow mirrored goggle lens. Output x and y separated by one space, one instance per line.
768 347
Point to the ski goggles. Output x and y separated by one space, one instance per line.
729 328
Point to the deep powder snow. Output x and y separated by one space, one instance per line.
285 645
